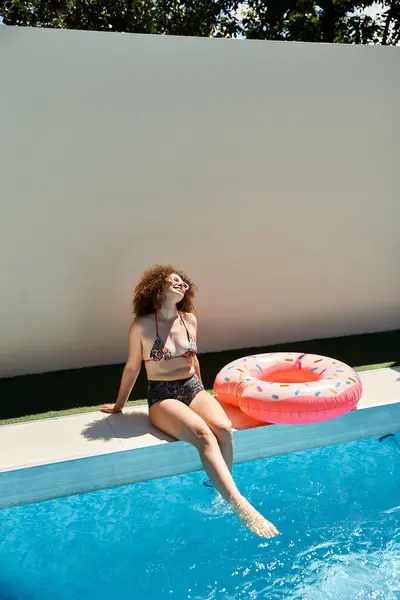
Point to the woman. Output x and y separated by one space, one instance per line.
164 336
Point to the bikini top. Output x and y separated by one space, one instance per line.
160 352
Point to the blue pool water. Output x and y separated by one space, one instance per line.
338 510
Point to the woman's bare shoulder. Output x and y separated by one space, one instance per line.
190 318
141 325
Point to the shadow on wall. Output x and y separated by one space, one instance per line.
33 394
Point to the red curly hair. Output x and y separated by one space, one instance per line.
149 291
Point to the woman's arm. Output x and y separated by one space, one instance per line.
130 372
196 364
197 368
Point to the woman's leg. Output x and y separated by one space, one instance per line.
179 421
210 410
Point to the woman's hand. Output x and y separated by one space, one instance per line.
110 408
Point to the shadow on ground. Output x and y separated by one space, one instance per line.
123 426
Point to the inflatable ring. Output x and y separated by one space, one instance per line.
287 387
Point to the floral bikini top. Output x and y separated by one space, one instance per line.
160 352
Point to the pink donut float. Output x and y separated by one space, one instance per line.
287 387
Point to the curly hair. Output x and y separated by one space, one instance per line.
149 291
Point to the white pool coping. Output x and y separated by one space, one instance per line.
80 453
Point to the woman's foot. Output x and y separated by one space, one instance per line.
253 520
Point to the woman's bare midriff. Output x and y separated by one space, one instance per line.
170 370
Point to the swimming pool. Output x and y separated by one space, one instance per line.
337 507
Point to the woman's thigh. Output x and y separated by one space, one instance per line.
210 410
178 420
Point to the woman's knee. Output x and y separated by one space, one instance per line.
203 437
223 432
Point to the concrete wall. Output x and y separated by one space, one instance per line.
270 171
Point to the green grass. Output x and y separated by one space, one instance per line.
52 414
50 395
385 365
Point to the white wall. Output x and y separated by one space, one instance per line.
270 171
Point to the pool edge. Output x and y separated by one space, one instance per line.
86 474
